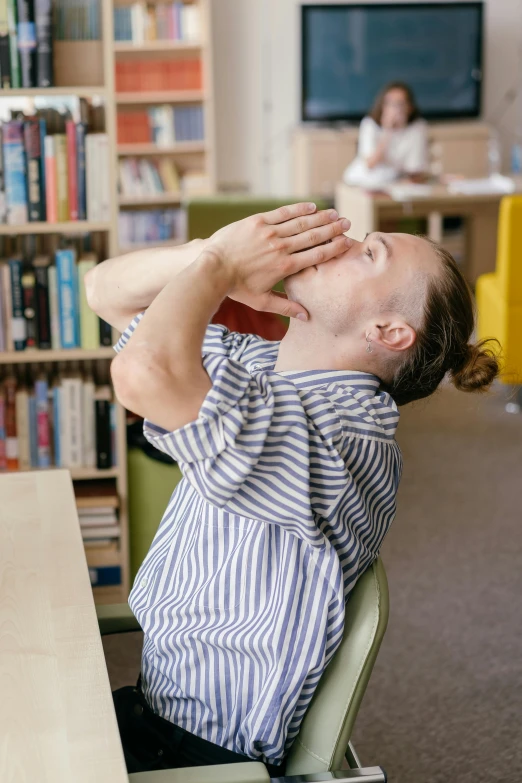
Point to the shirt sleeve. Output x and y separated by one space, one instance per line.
248 452
368 138
416 159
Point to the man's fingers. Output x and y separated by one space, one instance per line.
316 236
306 222
278 303
283 214
318 255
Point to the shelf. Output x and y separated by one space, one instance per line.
158 198
157 47
78 474
181 148
150 245
71 227
49 92
160 96
71 354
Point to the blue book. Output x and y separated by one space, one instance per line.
81 130
56 430
15 172
33 431
69 311
105 575
41 390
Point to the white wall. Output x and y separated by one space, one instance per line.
256 72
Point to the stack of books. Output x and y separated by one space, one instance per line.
53 177
75 20
151 75
161 125
97 504
141 227
65 420
44 305
138 178
142 22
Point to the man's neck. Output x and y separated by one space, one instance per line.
304 348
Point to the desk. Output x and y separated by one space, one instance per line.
367 210
57 722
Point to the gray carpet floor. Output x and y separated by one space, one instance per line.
445 699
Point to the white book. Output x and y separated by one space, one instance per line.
92 179
191 23
54 309
98 520
89 425
102 175
71 419
138 22
104 531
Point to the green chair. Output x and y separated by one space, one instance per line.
324 737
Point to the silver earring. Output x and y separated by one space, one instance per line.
369 348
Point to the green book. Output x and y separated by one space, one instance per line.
16 80
89 331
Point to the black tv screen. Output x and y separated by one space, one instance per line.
349 52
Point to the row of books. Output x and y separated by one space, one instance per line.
161 125
53 178
26 44
148 226
60 421
44 305
76 20
143 177
142 22
151 75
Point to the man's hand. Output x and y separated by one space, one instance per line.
261 250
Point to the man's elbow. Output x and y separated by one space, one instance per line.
139 381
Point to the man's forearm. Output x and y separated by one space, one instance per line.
159 374
119 288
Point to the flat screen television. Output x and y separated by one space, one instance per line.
349 52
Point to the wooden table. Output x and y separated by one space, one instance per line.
368 210
57 722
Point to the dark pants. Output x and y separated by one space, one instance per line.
151 743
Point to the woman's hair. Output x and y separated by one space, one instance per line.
377 108
442 345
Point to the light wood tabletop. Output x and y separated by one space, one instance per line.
57 722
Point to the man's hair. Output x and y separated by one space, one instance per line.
378 106
442 344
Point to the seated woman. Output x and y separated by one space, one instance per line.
392 140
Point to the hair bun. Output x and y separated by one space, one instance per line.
478 368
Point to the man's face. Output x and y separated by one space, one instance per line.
385 267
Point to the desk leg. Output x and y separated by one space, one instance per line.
435 226
481 246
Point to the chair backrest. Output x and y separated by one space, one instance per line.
328 723
509 249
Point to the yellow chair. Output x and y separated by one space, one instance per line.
499 294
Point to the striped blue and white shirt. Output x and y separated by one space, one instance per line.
289 485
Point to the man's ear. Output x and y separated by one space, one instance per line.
395 336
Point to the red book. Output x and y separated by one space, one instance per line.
11 441
51 193
72 169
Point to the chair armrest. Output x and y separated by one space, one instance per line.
254 772
116 618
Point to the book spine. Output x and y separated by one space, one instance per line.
103 163
43 132
5 271
33 152
72 169
29 303
103 434
91 176
33 431
105 575
89 333
3 456
3 197
15 172
105 333
51 196
67 298
89 425
73 415
26 32
62 185
80 177
18 323
57 425
11 440
54 309
43 313
113 435
22 429
42 424
44 54
3 314
16 80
